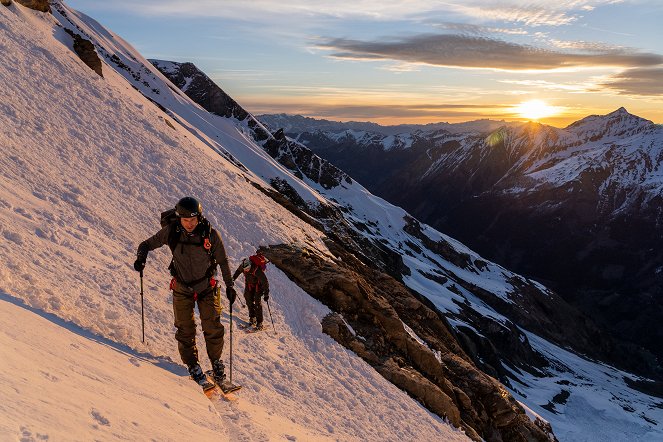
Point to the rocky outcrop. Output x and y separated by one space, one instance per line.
86 52
296 157
201 89
37 5
406 342
6 2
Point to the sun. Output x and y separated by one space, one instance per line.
535 109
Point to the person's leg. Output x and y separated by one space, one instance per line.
249 293
186 328
209 306
257 308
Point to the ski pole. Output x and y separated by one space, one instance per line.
240 300
142 307
231 343
270 316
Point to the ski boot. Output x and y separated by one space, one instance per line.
218 371
200 377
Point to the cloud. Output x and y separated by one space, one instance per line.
532 13
528 14
480 52
374 112
588 46
471 29
642 81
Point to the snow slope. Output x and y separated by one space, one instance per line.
87 165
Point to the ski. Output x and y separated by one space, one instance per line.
222 391
208 384
253 330
228 387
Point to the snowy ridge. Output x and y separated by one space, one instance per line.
83 218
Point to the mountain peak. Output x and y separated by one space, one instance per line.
617 123
621 111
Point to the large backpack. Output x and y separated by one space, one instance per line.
170 218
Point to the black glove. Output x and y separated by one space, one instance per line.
265 295
231 294
139 265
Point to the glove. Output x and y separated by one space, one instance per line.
139 265
265 295
231 294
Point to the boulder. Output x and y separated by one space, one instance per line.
86 52
37 5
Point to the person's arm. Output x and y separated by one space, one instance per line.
264 283
238 271
154 242
219 253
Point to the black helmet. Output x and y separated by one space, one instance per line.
188 207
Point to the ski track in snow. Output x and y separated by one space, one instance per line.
88 164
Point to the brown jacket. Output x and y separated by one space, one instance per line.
190 257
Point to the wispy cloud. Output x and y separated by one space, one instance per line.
437 112
589 46
532 13
480 52
552 86
471 29
642 82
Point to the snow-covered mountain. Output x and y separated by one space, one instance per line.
578 208
90 163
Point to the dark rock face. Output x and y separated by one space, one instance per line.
85 51
6 2
37 5
201 89
296 157
438 373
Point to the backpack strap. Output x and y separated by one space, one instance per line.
174 239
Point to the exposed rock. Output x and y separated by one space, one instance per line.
37 5
6 2
296 157
201 89
85 51
438 374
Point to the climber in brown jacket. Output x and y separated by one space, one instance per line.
197 249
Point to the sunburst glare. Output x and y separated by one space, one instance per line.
536 109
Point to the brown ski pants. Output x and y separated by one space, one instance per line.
209 307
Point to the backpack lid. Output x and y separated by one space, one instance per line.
259 261
168 217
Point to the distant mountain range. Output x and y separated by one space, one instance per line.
577 208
